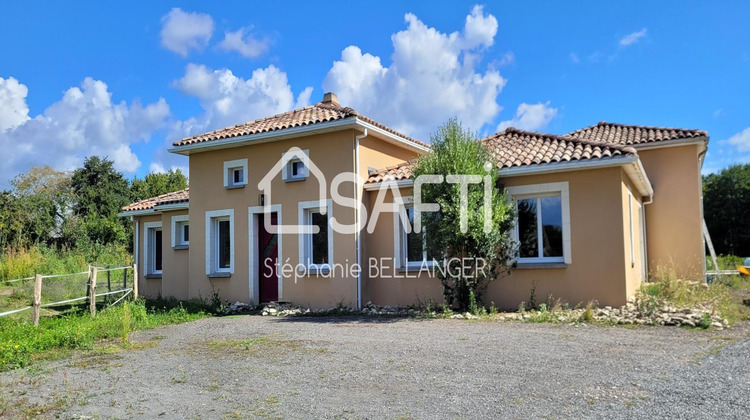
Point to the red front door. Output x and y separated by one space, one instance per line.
268 255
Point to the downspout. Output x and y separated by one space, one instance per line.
357 218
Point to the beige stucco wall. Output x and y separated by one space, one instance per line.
598 247
379 154
385 283
332 153
674 219
596 271
175 261
634 264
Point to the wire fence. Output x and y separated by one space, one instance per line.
54 294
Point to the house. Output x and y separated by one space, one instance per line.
599 210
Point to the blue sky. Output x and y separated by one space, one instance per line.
124 80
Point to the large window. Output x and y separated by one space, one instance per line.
220 242
414 252
153 251
543 223
316 248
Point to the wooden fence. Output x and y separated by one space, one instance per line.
91 289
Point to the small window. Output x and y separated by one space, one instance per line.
154 256
238 176
182 234
539 229
296 170
414 245
235 174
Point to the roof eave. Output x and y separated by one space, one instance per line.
286 133
158 209
700 140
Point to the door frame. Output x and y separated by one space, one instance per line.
254 264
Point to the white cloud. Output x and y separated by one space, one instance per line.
85 122
228 99
432 76
574 58
507 59
13 109
532 117
632 38
741 140
244 43
185 31
717 113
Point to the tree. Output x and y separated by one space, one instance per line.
456 151
44 187
101 193
726 208
157 184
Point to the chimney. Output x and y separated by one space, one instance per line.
330 98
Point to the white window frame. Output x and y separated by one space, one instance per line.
400 235
306 208
286 172
551 189
630 228
212 239
178 238
149 251
229 167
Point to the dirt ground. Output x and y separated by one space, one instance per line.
348 367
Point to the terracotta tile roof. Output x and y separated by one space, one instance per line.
169 198
514 148
397 172
318 113
624 134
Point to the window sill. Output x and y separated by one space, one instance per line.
153 276
220 275
180 247
234 187
316 271
530 266
418 268
295 179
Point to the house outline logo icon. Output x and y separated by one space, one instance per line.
294 153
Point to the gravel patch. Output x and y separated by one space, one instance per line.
348 367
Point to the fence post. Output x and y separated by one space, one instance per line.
125 278
37 304
92 292
135 281
109 281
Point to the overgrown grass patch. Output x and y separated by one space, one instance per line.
723 295
21 343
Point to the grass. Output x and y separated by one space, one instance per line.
21 343
726 262
724 295
24 263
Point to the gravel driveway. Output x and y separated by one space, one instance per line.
260 367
